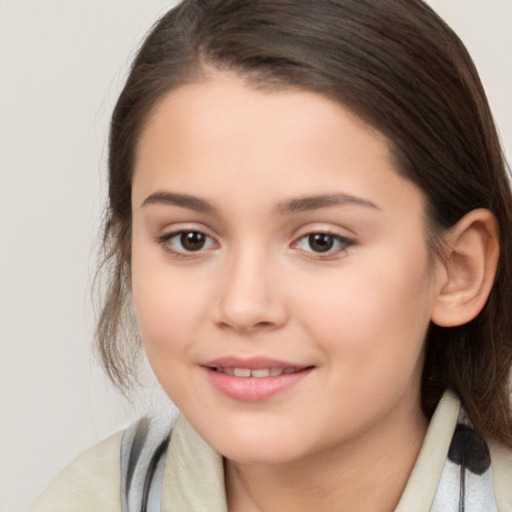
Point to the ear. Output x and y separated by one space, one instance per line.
469 268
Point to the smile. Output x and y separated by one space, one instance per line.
253 379
259 373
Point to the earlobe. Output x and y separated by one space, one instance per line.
470 262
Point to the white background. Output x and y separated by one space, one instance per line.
62 64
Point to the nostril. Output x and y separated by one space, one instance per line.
248 327
263 325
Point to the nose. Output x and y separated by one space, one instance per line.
251 297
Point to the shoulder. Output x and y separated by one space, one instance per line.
91 482
120 473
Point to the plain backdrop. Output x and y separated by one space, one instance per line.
62 64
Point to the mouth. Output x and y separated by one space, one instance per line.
256 373
252 380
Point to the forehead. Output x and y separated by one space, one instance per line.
222 130
210 108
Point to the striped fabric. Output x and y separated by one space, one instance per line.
143 452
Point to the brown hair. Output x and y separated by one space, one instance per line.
398 66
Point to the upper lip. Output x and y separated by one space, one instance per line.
252 363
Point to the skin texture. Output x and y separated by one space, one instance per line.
350 430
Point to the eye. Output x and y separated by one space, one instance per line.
183 242
323 243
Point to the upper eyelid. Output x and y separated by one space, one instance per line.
185 227
337 236
172 234
324 231
338 231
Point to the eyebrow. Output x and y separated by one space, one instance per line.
183 200
303 204
289 206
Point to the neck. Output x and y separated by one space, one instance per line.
365 474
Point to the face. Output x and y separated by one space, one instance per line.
280 271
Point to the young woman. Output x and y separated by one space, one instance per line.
310 213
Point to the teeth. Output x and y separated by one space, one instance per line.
242 372
260 373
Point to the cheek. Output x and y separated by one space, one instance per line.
373 316
163 306
163 316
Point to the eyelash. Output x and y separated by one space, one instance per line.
166 242
340 243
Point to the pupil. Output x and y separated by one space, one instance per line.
321 242
192 241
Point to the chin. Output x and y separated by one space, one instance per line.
258 455
263 447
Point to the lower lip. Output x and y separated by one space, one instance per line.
254 389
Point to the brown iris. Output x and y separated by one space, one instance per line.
192 240
320 242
